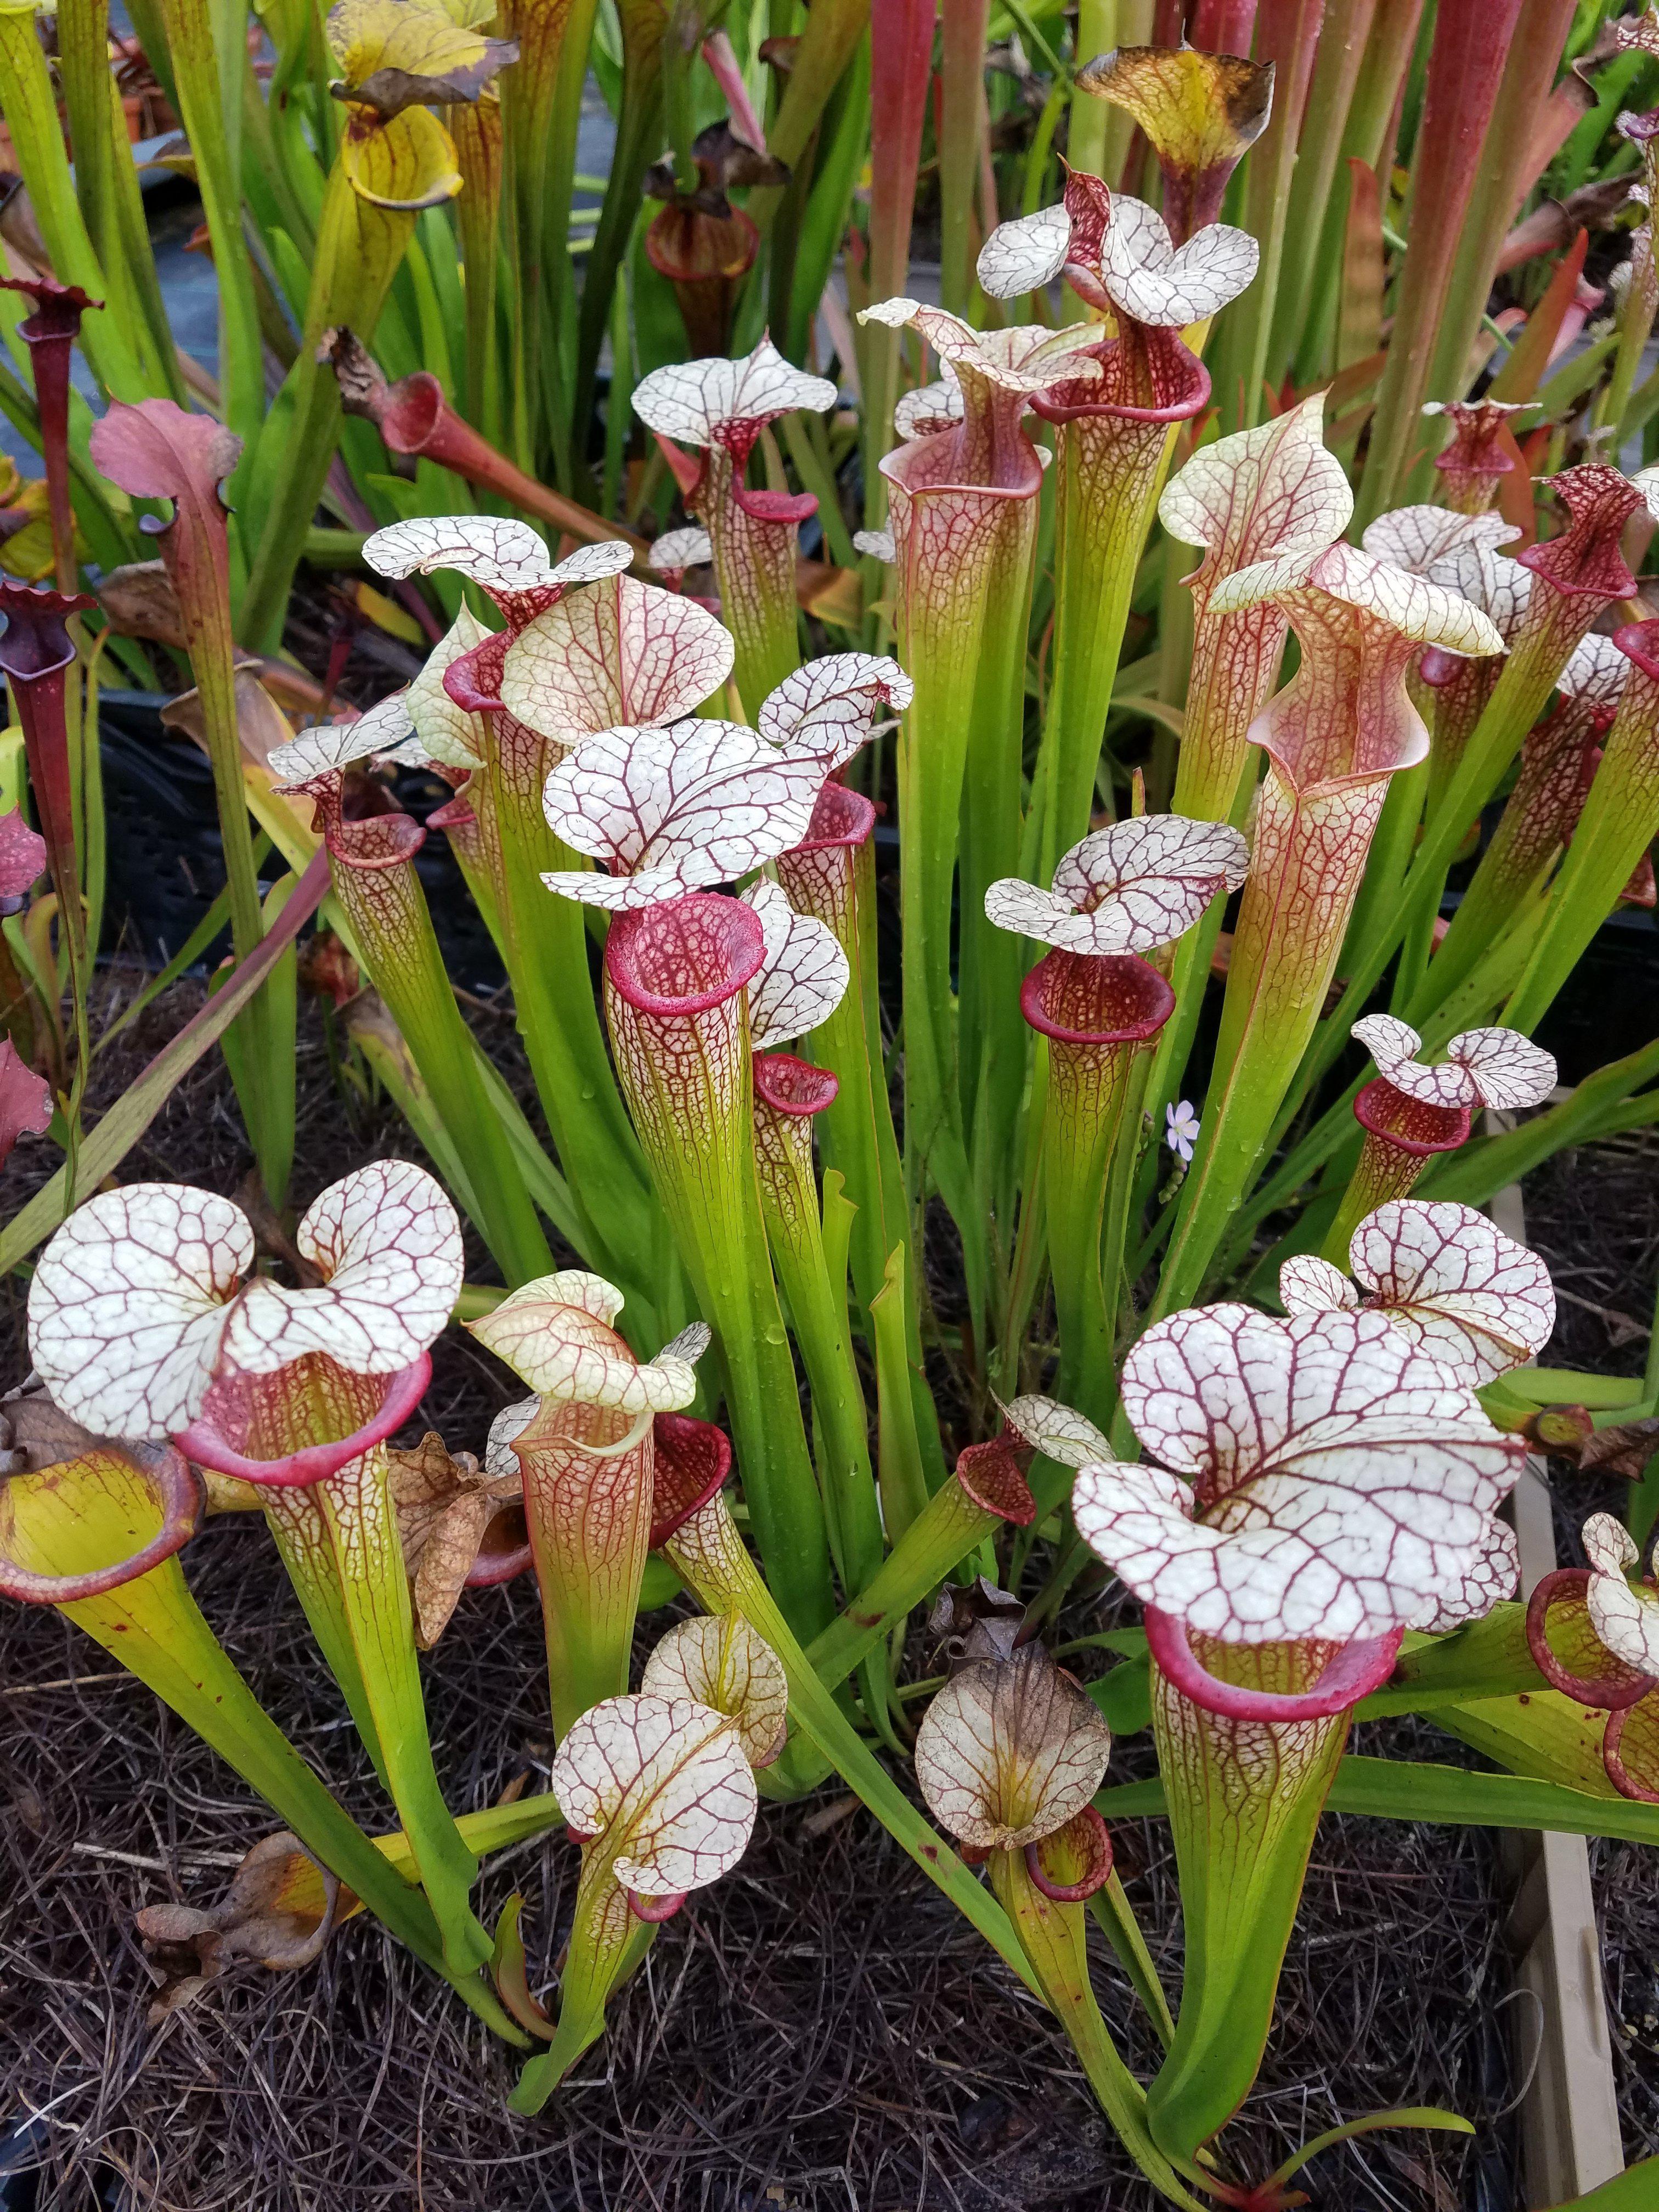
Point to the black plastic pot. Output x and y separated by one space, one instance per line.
22 2184
166 861
1610 1007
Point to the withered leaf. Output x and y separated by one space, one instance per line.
248 1924
34 1434
260 721
141 602
445 1505
397 54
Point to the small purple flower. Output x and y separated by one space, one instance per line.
1180 1129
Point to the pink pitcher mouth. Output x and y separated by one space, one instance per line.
1366 744
1095 997
1437 668
793 1086
931 467
1584 560
840 817
685 955
1416 1126
183 1500
380 841
1620 1686
454 815
784 510
412 409
653 1909
691 1460
1354 1671
205 1443
1613 1758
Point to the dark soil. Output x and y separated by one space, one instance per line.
1594 1214
818 2030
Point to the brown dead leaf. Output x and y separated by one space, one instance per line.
260 721
193 1946
141 602
34 1434
445 1505
1624 1450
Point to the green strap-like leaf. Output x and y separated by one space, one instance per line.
1413 1790
1404 2116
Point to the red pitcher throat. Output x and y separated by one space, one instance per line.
792 1086
840 817
1410 1125
685 955
690 1460
1095 997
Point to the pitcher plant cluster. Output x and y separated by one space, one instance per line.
1014 1103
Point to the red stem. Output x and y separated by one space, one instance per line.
1222 27
902 37
49 355
1465 67
691 1462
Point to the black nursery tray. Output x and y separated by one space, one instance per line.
165 864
